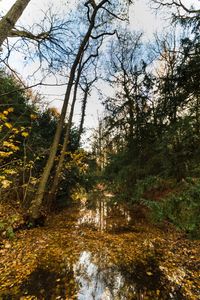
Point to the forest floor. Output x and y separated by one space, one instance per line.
99 253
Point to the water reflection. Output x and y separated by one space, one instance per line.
96 281
89 279
92 277
81 274
95 217
105 216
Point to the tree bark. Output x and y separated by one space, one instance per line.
59 168
8 22
83 113
34 210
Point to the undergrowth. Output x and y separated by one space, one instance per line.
180 208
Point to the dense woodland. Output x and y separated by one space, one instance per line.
145 149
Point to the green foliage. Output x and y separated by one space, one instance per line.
2 225
128 180
6 229
181 209
151 131
142 187
9 232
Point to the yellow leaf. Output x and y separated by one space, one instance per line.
157 292
149 273
3 117
10 172
8 125
6 183
25 134
15 130
10 145
5 154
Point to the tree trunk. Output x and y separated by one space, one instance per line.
34 210
8 22
66 141
83 113
130 112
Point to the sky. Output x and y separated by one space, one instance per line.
142 18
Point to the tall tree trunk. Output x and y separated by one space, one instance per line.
34 210
83 113
66 141
130 112
8 22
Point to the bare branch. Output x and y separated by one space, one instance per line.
103 34
26 34
31 86
114 15
176 3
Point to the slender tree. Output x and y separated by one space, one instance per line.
66 139
86 91
34 210
82 65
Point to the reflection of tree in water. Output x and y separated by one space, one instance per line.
149 281
135 281
69 274
89 278
98 281
101 212
93 277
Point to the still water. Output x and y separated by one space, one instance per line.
95 252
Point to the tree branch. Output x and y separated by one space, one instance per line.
103 34
178 4
27 34
32 86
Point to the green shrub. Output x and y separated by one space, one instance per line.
182 210
9 232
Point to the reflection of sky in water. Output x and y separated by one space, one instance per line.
97 281
92 281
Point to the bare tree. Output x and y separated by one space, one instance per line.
82 65
124 72
34 210
41 42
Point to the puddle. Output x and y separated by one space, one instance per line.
106 216
138 281
90 278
